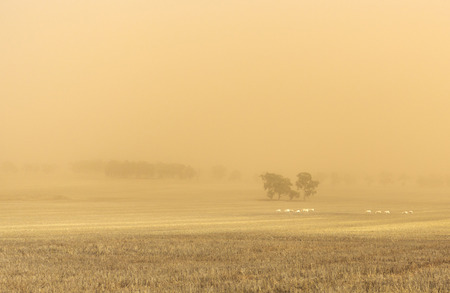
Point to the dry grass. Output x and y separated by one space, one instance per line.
251 262
215 239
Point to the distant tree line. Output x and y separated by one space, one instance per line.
9 167
278 185
88 166
126 169
143 169
135 169
221 173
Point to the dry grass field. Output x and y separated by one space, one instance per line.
143 236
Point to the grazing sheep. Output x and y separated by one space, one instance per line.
368 211
378 212
405 212
297 211
278 211
287 210
387 212
305 210
411 212
311 210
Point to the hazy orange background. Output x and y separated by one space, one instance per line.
259 85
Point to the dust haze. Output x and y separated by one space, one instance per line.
256 86
224 146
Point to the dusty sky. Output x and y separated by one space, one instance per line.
264 85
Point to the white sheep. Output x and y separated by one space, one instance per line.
405 212
305 210
297 211
387 212
411 212
368 211
287 210
311 210
278 211
378 212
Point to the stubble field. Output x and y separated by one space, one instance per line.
129 236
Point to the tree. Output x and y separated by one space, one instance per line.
218 172
385 178
8 167
235 176
294 193
276 184
88 166
304 182
403 178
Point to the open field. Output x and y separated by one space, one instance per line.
102 235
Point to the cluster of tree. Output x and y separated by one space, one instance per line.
433 181
128 169
219 172
88 166
142 169
10 167
42 168
278 185
381 179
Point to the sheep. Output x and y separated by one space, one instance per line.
297 211
387 212
287 210
311 210
305 210
405 212
278 211
378 212
411 212
368 211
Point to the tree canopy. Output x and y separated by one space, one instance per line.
276 184
304 182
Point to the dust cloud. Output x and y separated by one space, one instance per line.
224 146
252 85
